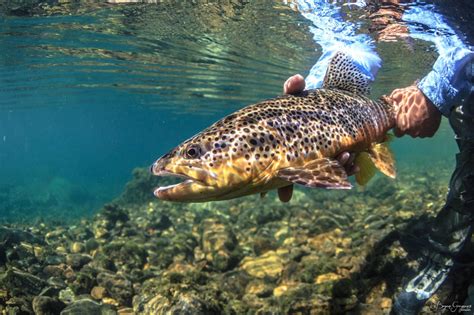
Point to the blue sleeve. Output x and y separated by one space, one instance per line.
447 84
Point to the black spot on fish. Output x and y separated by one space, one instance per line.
230 117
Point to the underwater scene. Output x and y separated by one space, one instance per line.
106 207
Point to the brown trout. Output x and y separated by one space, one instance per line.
292 139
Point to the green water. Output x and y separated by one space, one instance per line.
89 92
93 92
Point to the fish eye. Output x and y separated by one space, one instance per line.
192 151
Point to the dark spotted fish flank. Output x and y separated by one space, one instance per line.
311 124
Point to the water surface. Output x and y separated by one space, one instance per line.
89 92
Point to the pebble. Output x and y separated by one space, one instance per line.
98 293
269 264
45 305
89 307
77 247
125 311
327 277
214 259
117 286
67 295
77 261
21 283
54 270
386 303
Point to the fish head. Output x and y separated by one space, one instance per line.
225 161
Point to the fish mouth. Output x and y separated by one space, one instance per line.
174 192
186 179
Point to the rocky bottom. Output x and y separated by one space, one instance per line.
322 253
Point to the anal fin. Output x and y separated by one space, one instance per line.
320 173
382 157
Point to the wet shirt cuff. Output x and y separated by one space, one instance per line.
438 90
446 83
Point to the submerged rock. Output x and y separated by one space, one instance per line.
21 283
126 254
77 261
87 306
269 264
98 293
185 303
83 282
323 253
218 244
45 305
118 287
10 236
67 295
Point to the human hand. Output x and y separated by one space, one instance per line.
294 85
415 114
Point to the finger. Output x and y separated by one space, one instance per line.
351 159
354 169
294 84
343 158
398 133
414 133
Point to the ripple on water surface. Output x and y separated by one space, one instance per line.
89 91
180 52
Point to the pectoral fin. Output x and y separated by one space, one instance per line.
382 157
320 173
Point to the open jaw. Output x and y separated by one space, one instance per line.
186 180
179 191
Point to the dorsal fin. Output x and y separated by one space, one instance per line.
344 74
